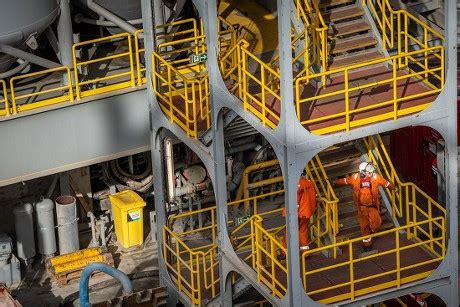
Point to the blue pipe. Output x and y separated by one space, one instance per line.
99 266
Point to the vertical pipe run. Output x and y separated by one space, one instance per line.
65 37
171 187
66 212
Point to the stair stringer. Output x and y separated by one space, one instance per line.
374 29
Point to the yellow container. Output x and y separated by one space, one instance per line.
127 211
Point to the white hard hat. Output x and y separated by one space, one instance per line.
370 168
362 167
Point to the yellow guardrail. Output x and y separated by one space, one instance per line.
350 263
257 83
390 21
4 100
316 37
181 97
138 50
195 269
409 202
117 80
59 93
346 90
191 271
326 220
261 103
270 270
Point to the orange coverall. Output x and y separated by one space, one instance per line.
306 206
367 201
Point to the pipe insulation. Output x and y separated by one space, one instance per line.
66 212
170 176
140 183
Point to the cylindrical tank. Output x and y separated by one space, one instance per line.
21 18
44 210
24 225
66 212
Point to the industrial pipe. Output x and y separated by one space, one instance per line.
123 24
243 147
170 177
15 70
103 23
251 168
28 57
102 267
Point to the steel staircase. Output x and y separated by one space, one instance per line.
350 36
340 162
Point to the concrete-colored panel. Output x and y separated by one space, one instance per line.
74 136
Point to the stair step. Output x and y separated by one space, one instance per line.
356 42
331 3
354 232
342 14
355 59
343 29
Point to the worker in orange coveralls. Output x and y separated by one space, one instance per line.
366 197
306 207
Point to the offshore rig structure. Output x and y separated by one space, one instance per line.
211 111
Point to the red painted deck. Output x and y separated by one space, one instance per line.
361 98
335 104
367 268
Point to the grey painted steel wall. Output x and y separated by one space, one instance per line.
75 136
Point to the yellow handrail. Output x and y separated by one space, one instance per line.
409 201
60 93
326 219
267 266
428 74
327 216
179 257
310 14
4 93
350 262
179 95
140 68
386 22
129 75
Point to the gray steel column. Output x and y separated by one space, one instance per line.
65 37
218 146
452 152
291 171
148 21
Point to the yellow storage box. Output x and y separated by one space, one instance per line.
127 211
